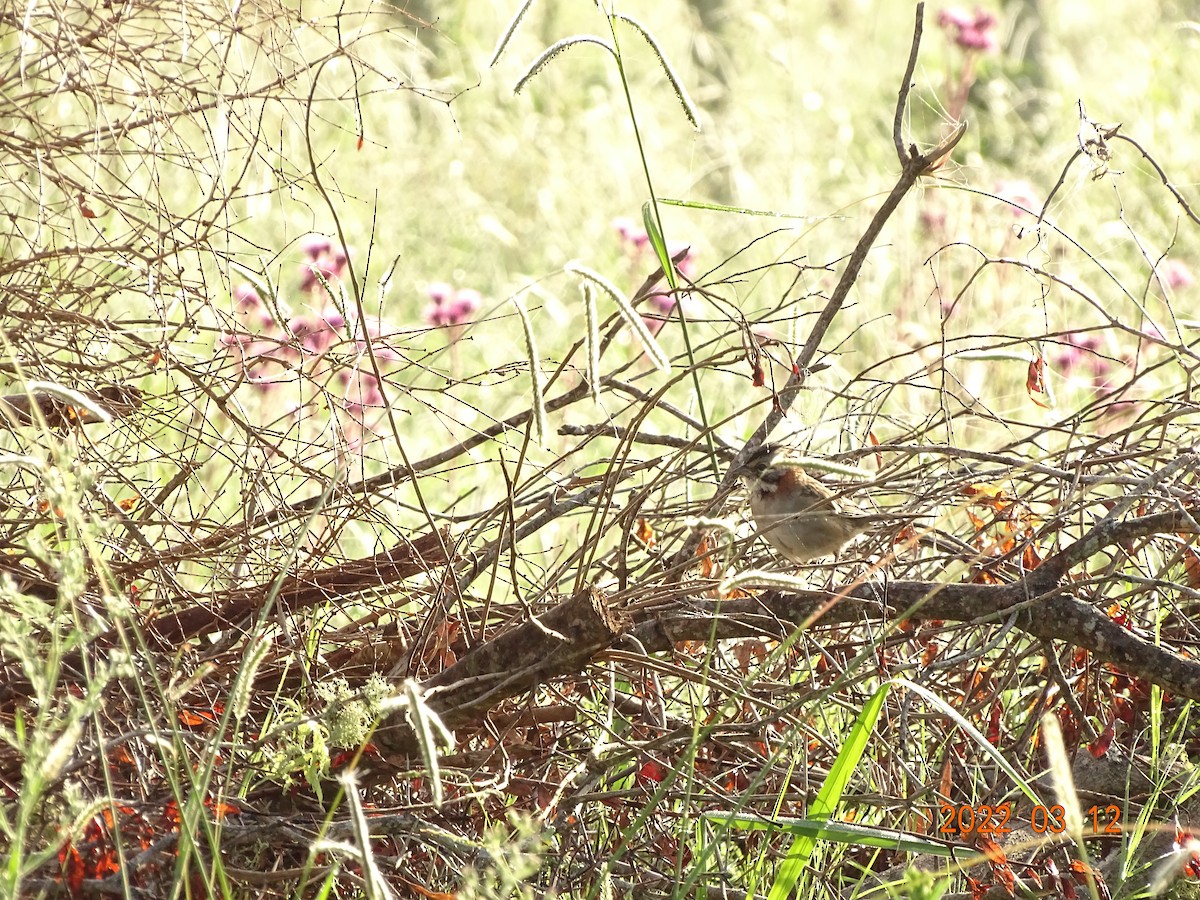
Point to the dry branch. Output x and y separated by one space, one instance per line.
563 641
557 643
305 590
59 409
913 165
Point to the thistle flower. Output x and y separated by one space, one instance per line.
448 307
971 32
1175 274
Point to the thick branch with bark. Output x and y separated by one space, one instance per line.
564 640
558 643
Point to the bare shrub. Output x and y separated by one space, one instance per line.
267 544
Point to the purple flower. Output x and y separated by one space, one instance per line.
247 297
971 32
1082 350
1018 193
378 344
385 352
312 273
323 262
954 17
662 303
687 265
314 333
362 393
439 292
466 302
436 315
1175 274
315 245
450 307
631 235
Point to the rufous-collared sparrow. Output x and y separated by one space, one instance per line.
799 516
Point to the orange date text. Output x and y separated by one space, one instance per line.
986 819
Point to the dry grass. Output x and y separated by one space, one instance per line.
322 509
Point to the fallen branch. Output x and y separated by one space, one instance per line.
557 643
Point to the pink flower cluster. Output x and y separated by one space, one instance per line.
450 307
1019 193
970 31
1086 359
324 261
262 341
974 34
635 242
361 392
1175 274
269 353
1082 351
633 238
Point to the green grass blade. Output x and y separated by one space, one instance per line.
830 794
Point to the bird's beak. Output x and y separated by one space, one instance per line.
749 468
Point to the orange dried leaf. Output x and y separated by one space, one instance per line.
221 810
986 576
72 867
645 534
745 651
993 851
980 679
708 568
196 718
427 894
758 375
1084 874
946 783
1103 741
1191 568
1030 558
652 772
1118 614
993 732
930 654
1001 870
1035 380
919 822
